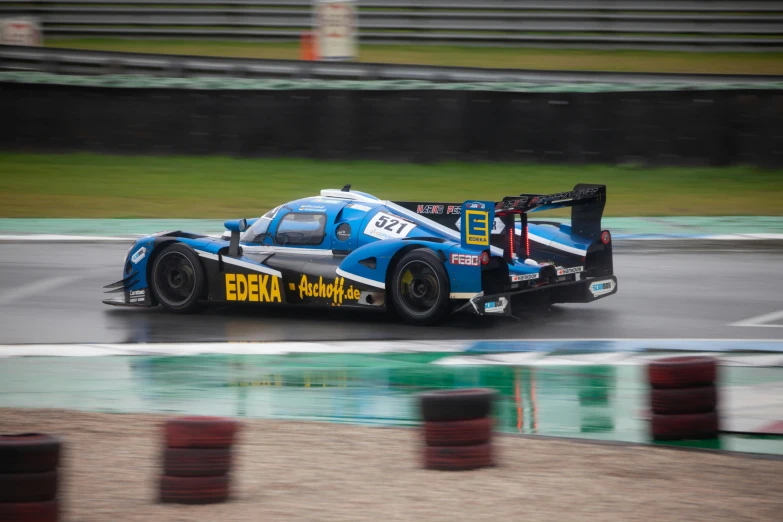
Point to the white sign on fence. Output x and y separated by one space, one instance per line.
336 29
20 32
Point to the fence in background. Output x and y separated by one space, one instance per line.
747 25
708 127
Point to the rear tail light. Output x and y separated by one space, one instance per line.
527 243
606 237
511 241
484 258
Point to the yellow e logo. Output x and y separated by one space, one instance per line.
477 224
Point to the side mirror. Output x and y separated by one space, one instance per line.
236 226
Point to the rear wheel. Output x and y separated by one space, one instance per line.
420 288
178 279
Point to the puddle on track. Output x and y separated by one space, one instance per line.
586 401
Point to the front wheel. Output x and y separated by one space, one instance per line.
420 288
177 279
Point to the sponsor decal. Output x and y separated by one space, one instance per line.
334 290
465 259
357 206
496 307
429 209
139 255
527 201
312 207
509 204
563 196
601 287
137 296
565 271
343 232
388 226
454 209
259 288
516 278
478 231
476 204
498 226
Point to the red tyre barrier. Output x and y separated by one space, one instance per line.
29 453
194 490
456 405
458 433
695 426
200 432
682 372
179 462
28 487
30 512
703 399
458 458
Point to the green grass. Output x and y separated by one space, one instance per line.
93 186
496 57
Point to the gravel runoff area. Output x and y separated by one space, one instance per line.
312 471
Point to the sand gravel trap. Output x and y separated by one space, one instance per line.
311 471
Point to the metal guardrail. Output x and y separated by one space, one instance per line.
69 61
641 24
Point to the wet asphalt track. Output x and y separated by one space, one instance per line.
51 293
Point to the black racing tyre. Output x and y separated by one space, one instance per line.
185 462
682 372
200 432
29 453
702 399
177 279
458 458
420 288
28 487
194 490
458 433
691 426
456 405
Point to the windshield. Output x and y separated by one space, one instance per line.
257 232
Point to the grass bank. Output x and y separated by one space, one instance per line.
494 57
95 186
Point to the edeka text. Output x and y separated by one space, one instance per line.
333 291
259 288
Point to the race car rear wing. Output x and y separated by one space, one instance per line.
586 201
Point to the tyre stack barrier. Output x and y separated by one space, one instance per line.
683 398
457 429
29 465
197 460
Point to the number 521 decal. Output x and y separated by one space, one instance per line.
387 226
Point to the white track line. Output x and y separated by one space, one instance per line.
43 238
14 295
762 321
458 348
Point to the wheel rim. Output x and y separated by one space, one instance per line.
175 278
418 287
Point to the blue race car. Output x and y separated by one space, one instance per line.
347 248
